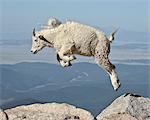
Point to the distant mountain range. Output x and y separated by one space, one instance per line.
127 46
122 37
84 84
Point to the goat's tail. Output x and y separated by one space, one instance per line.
111 37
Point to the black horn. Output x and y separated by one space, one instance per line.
34 32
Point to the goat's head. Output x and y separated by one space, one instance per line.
38 42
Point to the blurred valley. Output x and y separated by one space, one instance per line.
84 84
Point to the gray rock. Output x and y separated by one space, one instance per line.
49 111
3 116
127 107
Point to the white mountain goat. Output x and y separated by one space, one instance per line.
74 38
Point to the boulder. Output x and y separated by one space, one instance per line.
48 111
127 107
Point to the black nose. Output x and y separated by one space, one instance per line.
31 51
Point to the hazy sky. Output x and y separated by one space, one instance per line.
20 16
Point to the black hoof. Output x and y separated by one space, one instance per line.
118 87
69 64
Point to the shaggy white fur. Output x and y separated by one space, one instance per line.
74 38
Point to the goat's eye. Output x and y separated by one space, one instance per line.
35 40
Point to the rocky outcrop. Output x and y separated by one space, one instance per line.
49 111
3 115
126 107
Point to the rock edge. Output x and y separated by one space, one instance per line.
125 107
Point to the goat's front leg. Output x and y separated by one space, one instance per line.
65 53
66 57
62 62
65 64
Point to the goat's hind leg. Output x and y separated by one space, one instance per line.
101 57
110 69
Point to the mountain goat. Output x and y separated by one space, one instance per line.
74 38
